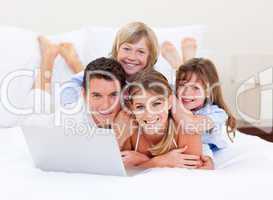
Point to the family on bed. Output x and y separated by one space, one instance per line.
156 125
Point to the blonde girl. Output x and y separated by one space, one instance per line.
135 48
158 141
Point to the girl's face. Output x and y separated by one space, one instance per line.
133 57
191 93
151 112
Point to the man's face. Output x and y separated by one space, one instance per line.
104 100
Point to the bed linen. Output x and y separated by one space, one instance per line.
244 170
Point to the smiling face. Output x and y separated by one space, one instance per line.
104 100
191 93
151 111
133 57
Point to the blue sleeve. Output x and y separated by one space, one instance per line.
217 136
217 115
72 90
207 151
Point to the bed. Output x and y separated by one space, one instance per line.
245 170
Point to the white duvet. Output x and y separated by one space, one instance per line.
245 170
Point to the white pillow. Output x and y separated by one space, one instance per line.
100 41
19 50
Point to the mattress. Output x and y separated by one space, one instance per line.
245 170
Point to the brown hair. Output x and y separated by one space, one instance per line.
157 83
206 72
132 33
104 68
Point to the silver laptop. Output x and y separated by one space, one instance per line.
64 150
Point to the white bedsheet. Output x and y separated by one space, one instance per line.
244 170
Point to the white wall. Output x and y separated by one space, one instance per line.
235 27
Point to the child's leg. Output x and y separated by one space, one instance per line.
188 47
49 52
70 56
171 55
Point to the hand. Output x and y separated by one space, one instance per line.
184 118
132 158
179 112
176 158
124 127
207 163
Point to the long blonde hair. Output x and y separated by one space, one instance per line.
206 72
155 82
132 33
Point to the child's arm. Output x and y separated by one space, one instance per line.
198 123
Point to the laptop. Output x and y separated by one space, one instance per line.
67 150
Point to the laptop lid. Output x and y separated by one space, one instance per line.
59 149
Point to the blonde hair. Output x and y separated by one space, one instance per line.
132 33
148 81
206 72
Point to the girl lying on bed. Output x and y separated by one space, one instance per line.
205 111
160 141
199 91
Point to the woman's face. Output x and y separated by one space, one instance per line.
133 57
191 93
151 111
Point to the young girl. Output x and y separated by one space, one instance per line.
205 111
158 141
135 48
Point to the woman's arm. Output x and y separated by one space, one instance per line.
174 158
192 141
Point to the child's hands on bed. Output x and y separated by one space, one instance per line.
207 163
177 158
133 158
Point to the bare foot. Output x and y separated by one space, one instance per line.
188 47
49 52
170 54
70 56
